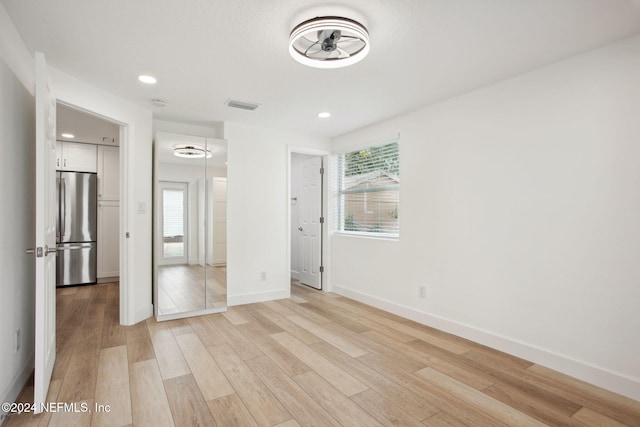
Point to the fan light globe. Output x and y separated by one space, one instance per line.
329 42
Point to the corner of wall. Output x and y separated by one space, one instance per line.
15 52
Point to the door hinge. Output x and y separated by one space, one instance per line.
322 269
321 220
127 235
321 171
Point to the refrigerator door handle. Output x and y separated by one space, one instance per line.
58 212
63 207
71 248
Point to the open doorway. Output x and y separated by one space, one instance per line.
87 143
307 214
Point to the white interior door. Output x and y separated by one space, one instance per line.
310 228
45 345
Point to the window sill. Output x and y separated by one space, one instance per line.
364 235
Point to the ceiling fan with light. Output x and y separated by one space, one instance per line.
329 42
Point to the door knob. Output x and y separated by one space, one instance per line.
48 250
30 251
300 228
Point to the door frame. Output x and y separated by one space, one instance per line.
325 282
124 288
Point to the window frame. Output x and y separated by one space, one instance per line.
338 181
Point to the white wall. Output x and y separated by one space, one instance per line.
211 130
17 217
520 208
15 53
258 201
136 170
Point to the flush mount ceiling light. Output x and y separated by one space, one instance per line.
324 115
329 42
68 135
191 152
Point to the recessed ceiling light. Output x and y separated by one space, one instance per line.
329 42
67 135
147 79
324 115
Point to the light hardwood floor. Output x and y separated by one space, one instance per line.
181 288
314 359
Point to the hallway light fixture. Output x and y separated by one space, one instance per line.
192 152
329 42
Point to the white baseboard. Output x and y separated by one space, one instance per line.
601 377
257 297
110 279
13 391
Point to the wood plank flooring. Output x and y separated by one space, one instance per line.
181 288
317 359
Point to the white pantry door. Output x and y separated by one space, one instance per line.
310 227
45 346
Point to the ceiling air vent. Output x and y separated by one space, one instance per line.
242 105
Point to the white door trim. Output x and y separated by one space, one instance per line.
326 247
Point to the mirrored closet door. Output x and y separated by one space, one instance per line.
190 225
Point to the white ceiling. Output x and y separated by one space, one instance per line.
204 52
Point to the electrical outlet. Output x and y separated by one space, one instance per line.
18 340
422 291
263 276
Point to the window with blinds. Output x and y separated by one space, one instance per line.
368 190
173 222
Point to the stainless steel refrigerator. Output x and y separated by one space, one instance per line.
77 228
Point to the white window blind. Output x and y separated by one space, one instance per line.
173 222
367 183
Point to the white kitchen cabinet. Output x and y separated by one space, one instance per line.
76 157
108 173
108 245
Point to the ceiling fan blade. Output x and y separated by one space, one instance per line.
321 54
351 45
342 53
303 43
346 36
313 48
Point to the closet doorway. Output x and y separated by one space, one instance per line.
307 218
